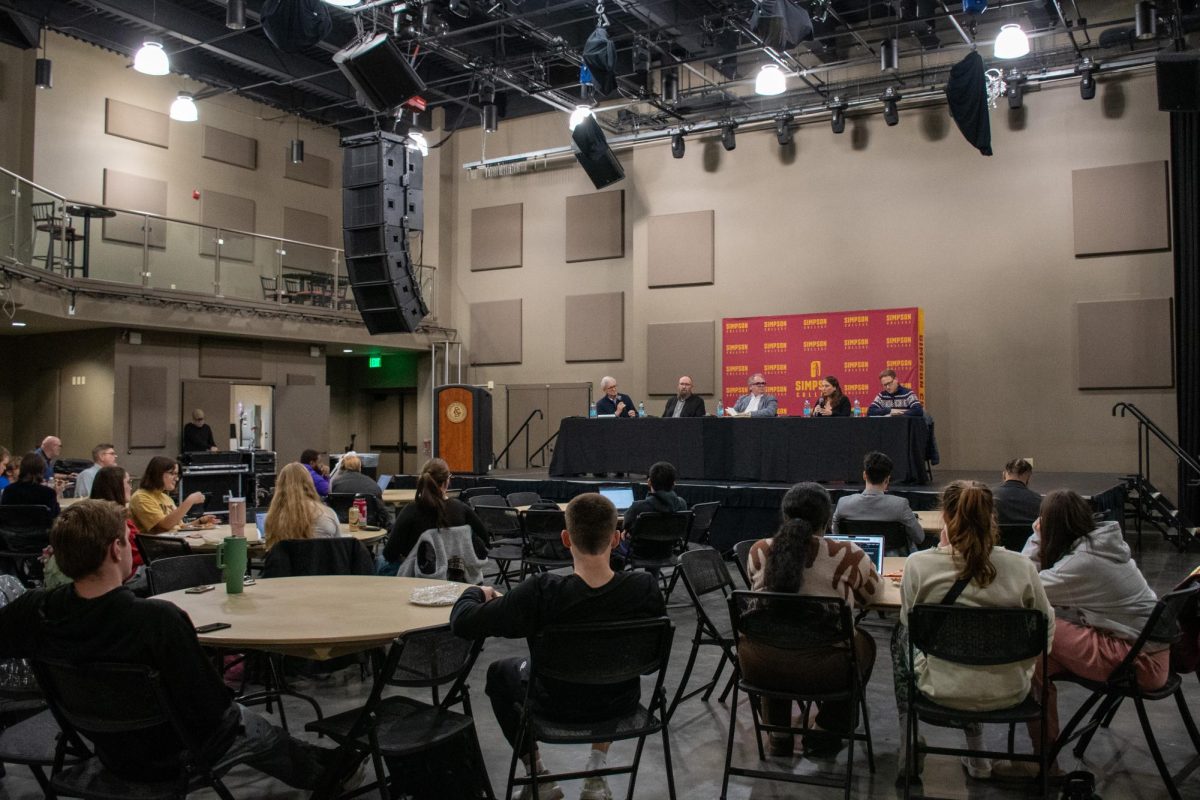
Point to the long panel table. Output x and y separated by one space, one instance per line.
780 449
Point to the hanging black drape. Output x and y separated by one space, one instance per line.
1185 208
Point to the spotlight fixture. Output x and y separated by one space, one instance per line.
1087 81
728 137
487 97
669 89
1011 42
459 8
417 142
580 113
296 151
678 145
1014 94
1145 20
235 15
837 115
770 81
889 55
783 129
183 109
43 68
152 59
891 115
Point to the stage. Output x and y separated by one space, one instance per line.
750 510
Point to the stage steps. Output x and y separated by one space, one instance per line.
1152 506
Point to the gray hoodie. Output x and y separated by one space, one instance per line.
1098 584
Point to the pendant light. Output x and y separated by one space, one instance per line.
183 109
1011 42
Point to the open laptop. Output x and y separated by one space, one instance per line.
621 496
384 480
871 545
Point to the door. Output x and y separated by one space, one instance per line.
556 400
386 431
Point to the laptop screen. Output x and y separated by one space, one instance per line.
871 545
384 480
621 496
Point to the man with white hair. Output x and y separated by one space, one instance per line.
49 450
613 402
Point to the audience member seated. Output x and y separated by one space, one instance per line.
968 569
95 619
311 460
5 457
103 455
756 402
197 435
1101 599
30 489
661 497
684 404
613 402
874 504
592 593
432 510
111 484
893 399
296 512
800 559
1015 502
349 479
832 402
151 506
49 450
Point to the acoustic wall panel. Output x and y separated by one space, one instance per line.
1125 344
148 407
240 359
596 226
305 226
313 169
136 123
681 249
596 327
496 332
230 148
1121 209
136 193
226 211
680 348
496 237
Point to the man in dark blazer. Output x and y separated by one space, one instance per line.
613 402
1015 501
685 404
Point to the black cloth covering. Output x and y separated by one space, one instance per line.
781 23
600 56
966 92
344 555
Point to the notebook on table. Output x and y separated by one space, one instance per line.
621 496
871 545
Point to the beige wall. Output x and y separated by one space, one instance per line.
877 217
17 95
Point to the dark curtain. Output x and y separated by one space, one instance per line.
1185 208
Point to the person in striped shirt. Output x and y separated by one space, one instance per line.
894 400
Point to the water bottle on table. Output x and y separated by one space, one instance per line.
857 408
592 411
807 408
720 409
641 409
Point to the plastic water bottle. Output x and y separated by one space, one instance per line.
857 408
592 411
720 409
641 409
807 408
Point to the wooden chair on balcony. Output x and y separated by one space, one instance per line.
58 228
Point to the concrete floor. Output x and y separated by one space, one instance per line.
1118 757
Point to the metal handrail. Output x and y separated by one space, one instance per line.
545 444
524 427
1144 421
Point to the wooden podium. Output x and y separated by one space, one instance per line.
462 429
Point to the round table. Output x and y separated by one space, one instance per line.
207 539
318 617
88 213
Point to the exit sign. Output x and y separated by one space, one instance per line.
374 362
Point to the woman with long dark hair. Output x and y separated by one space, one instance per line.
832 402
29 488
798 558
432 510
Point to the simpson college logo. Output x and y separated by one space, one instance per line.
737 327
737 348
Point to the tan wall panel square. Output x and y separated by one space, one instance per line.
305 226
681 249
148 407
596 226
230 148
1121 209
231 358
136 123
122 190
226 211
596 327
496 237
496 332
680 348
313 169
1125 344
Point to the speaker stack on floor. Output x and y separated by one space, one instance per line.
382 202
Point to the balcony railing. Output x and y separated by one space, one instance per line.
82 241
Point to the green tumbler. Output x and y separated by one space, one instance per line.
231 557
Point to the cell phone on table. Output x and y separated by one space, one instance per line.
213 626
199 589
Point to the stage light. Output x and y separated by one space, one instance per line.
416 142
669 91
1087 82
183 109
152 59
1011 42
1145 20
783 129
889 55
491 118
728 137
837 115
770 81
891 115
1014 95
43 75
296 151
235 15
677 145
579 115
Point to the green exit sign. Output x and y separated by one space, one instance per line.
374 362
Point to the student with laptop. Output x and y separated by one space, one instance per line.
875 504
661 498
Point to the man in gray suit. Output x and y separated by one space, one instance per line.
874 505
757 403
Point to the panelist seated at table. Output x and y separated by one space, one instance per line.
756 403
894 400
613 402
684 404
831 403
874 504
96 619
151 506
296 511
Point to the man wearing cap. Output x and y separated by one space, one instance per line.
197 436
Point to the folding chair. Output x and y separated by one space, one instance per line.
895 535
183 572
741 557
704 572
1014 536
703 515
153 547
656 542
505 542
544 549
523 499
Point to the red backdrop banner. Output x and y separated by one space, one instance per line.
796 351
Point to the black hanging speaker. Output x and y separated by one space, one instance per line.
594 155
381 203
379 71
1178 80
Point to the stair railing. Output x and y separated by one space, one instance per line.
523 429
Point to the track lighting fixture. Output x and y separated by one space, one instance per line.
728 137
669 91
1145 20
1087 82
43 68
891 115
1014 88
889 55
677 145
491 114
235 15
1011 42
783 129
837 115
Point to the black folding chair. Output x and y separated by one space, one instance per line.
974 637
800 624
596 655
493 500
183 572
741 557
1161 628
704 572
477 491
24 533
399 727
895 535
505 542
703 515
544 549
523 499
1014 536
153 547
655 543
340 502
